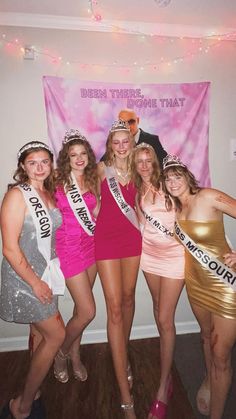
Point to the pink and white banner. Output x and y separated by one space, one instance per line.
178 113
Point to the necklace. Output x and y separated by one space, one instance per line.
123 175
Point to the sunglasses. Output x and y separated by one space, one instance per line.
131 121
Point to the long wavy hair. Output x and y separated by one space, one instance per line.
109 153
156 171
64 167
192 182
20 176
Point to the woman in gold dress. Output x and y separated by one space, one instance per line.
210 274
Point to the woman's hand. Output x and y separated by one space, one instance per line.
42 291
230 258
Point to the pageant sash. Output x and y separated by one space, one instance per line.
156 223
208 261
79 207
116 192
43 224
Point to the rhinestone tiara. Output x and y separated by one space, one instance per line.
33 144
144 145
171 160
73 134
120 126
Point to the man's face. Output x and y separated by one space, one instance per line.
132 119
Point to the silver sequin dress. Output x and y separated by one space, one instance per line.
17 301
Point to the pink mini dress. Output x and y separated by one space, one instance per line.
161 254
74 247
115 236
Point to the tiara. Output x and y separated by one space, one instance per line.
171 160
120 126
144 145
33 144
73 134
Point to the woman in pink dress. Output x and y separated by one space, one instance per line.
76 197
117 252
162 262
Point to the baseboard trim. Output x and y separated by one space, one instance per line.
100 335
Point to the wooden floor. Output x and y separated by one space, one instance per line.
98 397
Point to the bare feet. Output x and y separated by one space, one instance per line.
204 397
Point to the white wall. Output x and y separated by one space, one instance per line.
23 119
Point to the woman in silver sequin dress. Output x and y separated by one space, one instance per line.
24 297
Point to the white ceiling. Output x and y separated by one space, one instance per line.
179 18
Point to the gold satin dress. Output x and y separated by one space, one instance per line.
203 287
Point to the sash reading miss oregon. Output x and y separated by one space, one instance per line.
220 270
52 275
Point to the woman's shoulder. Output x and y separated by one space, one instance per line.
14 194
13 200
208 193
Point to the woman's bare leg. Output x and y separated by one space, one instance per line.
53 333
129 273
204 393
75 347
80 289
110 272
165 294
223 338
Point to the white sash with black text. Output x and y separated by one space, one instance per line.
79 207
115 190
208 261
52 275
156 223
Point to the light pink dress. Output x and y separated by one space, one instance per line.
161 254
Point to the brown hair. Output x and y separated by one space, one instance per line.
64 168
190 178
20 176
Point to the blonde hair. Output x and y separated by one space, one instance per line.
109 154
156 172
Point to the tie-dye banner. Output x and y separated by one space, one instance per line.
178 113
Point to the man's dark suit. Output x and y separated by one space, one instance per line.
154 141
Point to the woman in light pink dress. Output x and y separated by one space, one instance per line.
162 262
76 197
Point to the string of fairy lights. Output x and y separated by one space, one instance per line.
92 6
195 47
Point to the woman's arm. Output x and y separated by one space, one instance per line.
97 208
221 201
139 213
12 218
